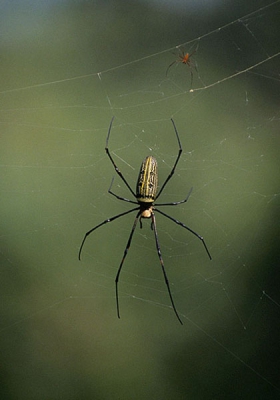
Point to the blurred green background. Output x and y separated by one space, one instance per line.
66 68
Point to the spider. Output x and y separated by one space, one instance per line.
145 196
184 58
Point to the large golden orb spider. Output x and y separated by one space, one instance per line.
145 196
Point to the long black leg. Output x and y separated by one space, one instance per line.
122 261
103 223
119 197
176 202
162 266
113 162
189 229
176 162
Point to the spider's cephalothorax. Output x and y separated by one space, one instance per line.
146 194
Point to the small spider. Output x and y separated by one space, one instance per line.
184 58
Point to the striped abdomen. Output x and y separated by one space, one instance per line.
146 188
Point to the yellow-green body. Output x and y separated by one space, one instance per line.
146 187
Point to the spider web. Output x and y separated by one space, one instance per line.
67 70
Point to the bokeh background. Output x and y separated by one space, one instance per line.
66 68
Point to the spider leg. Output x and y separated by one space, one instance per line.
124 256
195 66
119 197
176 162
194 51
189 229
176 202
181 53
113 162
103 223
174 62
192 64
162 267
191 75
